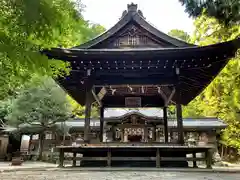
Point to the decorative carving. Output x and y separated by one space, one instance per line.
134 120
134 131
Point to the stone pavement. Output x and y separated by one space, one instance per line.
115 175
41 166
6 166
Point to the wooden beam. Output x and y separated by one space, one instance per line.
96 98
170 97
133 158
162 94
181 159
158 158
111 158
145 80
102 93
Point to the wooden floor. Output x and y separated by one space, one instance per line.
137 154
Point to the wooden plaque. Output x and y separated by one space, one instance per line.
133 102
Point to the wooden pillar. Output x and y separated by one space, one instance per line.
158 158
109 156
179 109
122 134
180 124
101 123
145 134
87 118
88 104
208 157
194 161
113 129
61 157
171 135
154 133
165 124
125 138
74 159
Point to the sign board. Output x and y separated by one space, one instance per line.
133 102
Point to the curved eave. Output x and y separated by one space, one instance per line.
134 17
209 61
181 52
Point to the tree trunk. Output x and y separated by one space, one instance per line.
57 137
63 140
41 144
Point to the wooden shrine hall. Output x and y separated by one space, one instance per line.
135 65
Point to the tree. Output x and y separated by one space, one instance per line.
5 109
93 31
39 108
227 12
179 34
26 27
79 111
221 97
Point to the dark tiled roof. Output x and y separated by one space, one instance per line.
199 123
117 112
187 123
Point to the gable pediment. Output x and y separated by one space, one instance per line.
133 31
133 36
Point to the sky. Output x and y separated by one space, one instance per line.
163 14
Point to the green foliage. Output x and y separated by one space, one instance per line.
222 97
5 109
79 111
93 31
42 104
26 27
38 108
227 12
179 34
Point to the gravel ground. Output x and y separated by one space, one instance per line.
73 175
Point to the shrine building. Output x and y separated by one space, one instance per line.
134 65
